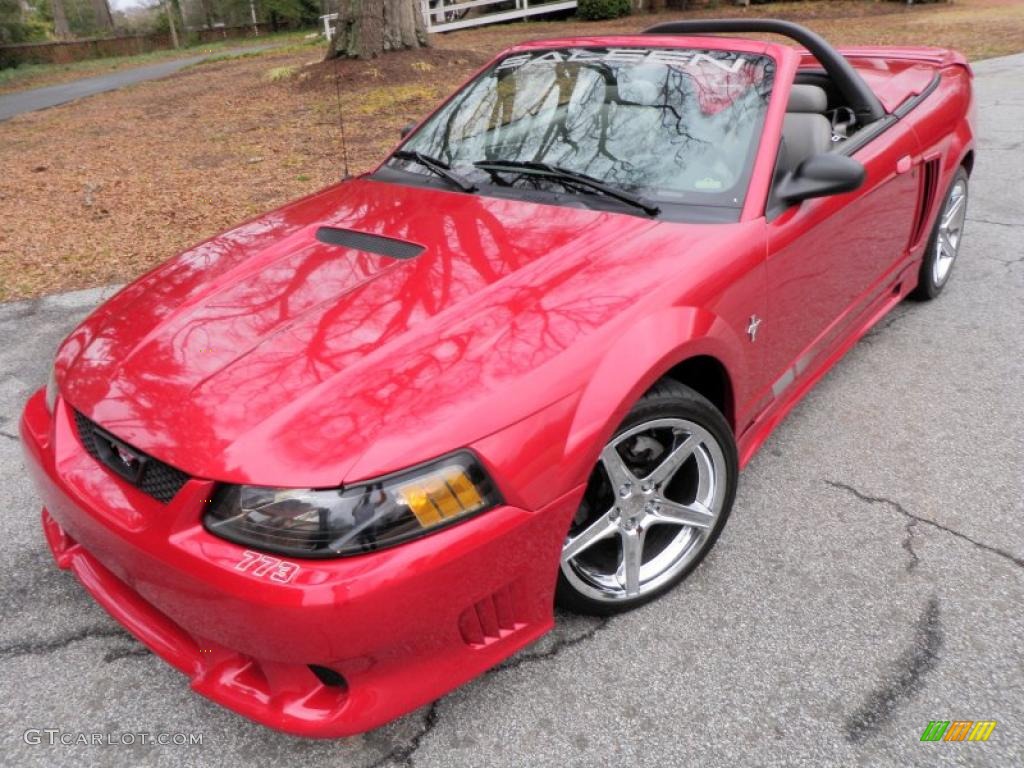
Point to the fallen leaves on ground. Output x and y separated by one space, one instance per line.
104 189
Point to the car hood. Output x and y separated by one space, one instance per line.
267 356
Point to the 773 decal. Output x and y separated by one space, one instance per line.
266 567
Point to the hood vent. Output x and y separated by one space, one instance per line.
361 241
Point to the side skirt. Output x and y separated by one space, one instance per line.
756 434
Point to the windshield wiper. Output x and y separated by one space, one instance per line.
571 177
438 167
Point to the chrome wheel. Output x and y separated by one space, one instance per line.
650 509
951 226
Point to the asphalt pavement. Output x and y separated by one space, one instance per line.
50 96
870 580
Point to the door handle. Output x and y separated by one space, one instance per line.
904 164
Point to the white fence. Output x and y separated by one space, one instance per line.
328 22
444 15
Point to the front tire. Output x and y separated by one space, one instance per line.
944 243
654 506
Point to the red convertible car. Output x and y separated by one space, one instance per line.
349 455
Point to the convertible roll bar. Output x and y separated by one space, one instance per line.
851 85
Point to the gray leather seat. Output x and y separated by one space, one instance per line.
805 129
807 99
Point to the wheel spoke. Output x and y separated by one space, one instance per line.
671 463
946 248
600 529
603 558
952 211
628 573
695 515
705 478
618 473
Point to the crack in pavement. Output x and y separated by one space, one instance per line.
908 544
904 679
8 435
1004 262
1018 561
882 325
910 527
49 646
402 755
993 221
126 653
556 648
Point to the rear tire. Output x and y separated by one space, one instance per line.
654 506
944 243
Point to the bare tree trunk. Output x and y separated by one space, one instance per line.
255 24
403 25
207 6
77 7
60 20
368 28
170 20
101 13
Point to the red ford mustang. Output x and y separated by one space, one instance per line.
341 459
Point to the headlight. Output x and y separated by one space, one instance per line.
51 389
360 518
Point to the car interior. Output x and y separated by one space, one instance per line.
841 116
827 105
806 130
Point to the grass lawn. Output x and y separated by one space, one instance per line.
39 75
101 190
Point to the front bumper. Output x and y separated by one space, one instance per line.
402 626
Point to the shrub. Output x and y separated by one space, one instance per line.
280 73
593 10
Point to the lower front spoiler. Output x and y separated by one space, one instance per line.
286 697
271 694
347 646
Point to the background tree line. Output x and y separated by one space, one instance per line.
35 20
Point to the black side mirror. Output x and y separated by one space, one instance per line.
407 129
820 176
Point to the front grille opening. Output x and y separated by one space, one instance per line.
329 677
158 480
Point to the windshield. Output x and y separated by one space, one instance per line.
673 124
